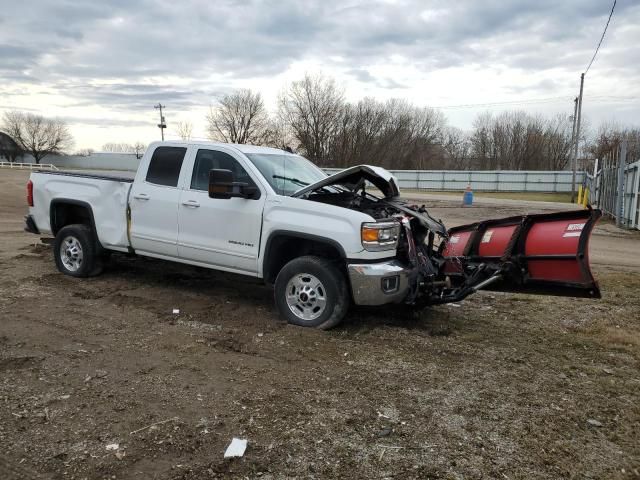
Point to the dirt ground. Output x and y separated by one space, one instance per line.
501 386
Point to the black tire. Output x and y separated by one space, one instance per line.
332 288
90 263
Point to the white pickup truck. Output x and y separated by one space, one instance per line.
322 241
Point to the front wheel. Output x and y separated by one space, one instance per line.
312 292
75 251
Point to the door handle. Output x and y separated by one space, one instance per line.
141 196
191 203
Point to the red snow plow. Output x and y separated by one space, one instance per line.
541 254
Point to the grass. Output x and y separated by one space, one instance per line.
530 196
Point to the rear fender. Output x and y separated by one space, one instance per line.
541 254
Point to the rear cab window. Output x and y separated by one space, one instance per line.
165 165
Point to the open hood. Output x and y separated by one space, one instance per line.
351 178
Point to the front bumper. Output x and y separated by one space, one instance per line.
379 283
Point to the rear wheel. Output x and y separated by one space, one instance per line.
311 292
75 251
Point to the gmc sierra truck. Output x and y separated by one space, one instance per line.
323 242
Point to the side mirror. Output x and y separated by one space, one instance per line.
222 184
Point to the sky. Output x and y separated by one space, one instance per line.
103 65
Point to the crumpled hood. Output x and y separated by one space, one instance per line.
349 178
420 213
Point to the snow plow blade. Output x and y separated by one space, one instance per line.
544 254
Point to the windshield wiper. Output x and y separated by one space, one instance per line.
291 179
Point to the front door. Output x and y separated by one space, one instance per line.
154 203
219 232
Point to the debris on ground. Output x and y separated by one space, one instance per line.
385 432
236 448
153 425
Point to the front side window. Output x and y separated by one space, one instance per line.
207 160
165 165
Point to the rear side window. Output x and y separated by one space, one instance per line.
165 165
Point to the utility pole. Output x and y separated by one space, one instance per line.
573 157
575 151
162 125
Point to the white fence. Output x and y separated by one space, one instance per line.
485 180
28 166
95 161
615 188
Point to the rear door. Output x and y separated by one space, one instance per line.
219 232
154 200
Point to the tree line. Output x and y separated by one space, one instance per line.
313 118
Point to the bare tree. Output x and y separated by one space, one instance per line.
482 144
277 134
610 135
139 149
36 134
516 140
457 147
185 130
113 147
558 142
312 107
85 152
359 135
411 135
238 117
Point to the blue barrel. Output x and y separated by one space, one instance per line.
467 198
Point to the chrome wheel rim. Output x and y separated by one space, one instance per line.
306 296
71 254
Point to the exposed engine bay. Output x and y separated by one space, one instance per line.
419 242
546 254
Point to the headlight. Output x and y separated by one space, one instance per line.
380 236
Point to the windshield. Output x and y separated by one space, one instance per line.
286 173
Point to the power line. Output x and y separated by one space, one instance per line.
601 38
534 101
512 102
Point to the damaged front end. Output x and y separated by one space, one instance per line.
540 254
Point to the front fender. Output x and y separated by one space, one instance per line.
338 226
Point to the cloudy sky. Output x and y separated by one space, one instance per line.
102 65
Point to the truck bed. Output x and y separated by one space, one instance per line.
104 193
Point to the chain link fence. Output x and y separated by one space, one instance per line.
615 187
